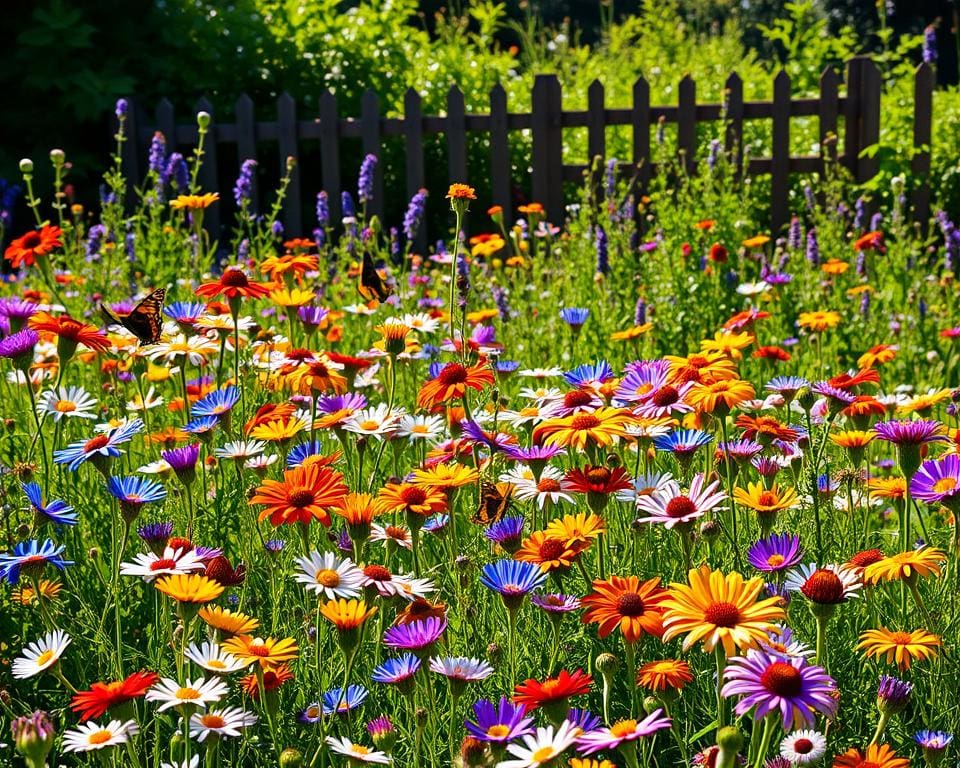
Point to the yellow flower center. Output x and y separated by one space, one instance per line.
498 731
944 484
216 664
775 560
213 721
420 429
623 728
187 694
65 406
359 749
44 657
327 577
542 755
369 425
100 737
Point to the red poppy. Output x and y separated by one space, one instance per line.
552 691
233 283
850 381
33 245
70 332
774 353
872 241
102 696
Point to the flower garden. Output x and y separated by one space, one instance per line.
649 486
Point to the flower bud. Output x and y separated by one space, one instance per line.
57 156
651 704
33 737
203 119
291 758
607 664
26 165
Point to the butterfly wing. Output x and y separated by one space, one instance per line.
371 285
494 502
144 321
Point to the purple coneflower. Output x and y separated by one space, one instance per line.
499 724
622 733
775 553
417 636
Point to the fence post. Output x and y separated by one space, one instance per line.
247 143
330 152
733 114
924 82
867 167
456 129
687 122
287 141
596 136
829 90
209 173
413 138
640 117
547 182
851 114
500 169
780 149
370 139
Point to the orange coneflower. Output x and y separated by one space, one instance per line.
189 588
854 442
720 396
875 756
272 680
757 241
69 333
901 647
877 355
634 332
818 321
703 368
305 493
228 622
452 382
413 499
357 511
774 353
717 608
234 283
33 245
657 676
852 381
766 501
319 374
887 488
905 566
276 267
461 192
871 241
635 607
268 653
578 429
765 429
346 615
267 413
863 409
420 608
835 266
550 554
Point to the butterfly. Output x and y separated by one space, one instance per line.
371 285
144 321
494 502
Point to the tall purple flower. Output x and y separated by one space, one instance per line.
157 157
859 213
768 682
323 209
414 214
640 312
603 253
177 172
713 154
893 694
18 347
365 179
348 210
930 44
122 108
183 461
243 189
795 234
611 176
95 242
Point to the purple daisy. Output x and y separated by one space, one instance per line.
622 732
183 461
893 694
584 719
740 451
776 553
909 433
938 482
556 603
769 682
18 347
499 724
417 636
461 668
507 532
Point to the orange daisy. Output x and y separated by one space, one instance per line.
305 493
635 607
453 382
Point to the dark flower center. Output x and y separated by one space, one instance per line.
96 443
584 421
577 398
234 278
782 679
630 604
803 746
301 497
453 373
722 614
551 549
824 587
680 506
548 485
31 240
665 396
162 564
377 573
413 496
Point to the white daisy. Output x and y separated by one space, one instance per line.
398 534
329 575
377 422
420 427
411 588
220 722
421 321
195 349
359 309
91 736
541 395
213 658
150 401
158 467
546 489
37 376
357 753
197 693
41 655
529 414
803 747
240 450
67 402
543 747
260 464
753 289
645 485
149 565
194 762
540 373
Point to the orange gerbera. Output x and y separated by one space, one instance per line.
700 367
272 680
305 493
720 396
445 476
412 499
268 653
33 245
267 413
103 696
887 487
576 530
863 409
420 608
658 676
905 566
195 202
69 333
578 429
835 266
461 192
718 608
626 602
317 375
452 382
553 691
226 621
877 355
765 429
357 510
550 554
234 283
852 381
296 264
901 647
876 756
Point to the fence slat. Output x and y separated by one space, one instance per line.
209 172
547 181
596 134
500 152
733 114
370 139
247 143
829 88
330 151
924 82
131 152
640 118
166 123
867 167
456 136
287 122
413 138
780 148
851 114
687 122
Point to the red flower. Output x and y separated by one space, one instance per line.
849 382
718 254
102 696
452 382
872 241
777 354
592 479
233 283
70 332
220 570
33 245
532 693
272 679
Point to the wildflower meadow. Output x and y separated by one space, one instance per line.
647 486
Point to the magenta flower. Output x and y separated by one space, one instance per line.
912 433
938 482
769 682
417 636
672 507
775 553
622 732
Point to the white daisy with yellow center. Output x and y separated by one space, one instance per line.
41 655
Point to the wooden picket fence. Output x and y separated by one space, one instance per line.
859 109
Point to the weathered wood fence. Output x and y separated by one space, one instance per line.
859 109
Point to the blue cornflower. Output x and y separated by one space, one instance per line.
336 701
99 450
312 317
575 317
58 512
589 373
202 427
185 313
933 744
136 491
31 557
507 532
216 403
682 441
300 453
504 368
274 546
399 671
436 524
156 535
512 579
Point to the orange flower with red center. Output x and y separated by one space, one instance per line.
272 680
774 353
102 696
305 493
412 499
703 368
290 263
234 283
421 608
902 648
720 396
268 653
33 245
453 382
596 480
850 381
876 756
877 355
549 554
552 691
70 332
765 429
626 603
578 429
667 674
